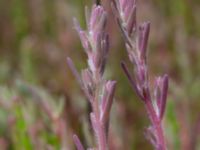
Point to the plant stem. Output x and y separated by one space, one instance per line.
101 135
157 125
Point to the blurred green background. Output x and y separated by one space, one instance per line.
41 104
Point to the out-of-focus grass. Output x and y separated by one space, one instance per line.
34 118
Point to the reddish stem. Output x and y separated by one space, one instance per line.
101 135
156 122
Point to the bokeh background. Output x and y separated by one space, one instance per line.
41 104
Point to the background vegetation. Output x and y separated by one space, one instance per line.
41 105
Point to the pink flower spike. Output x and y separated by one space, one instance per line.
136 41
96 44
